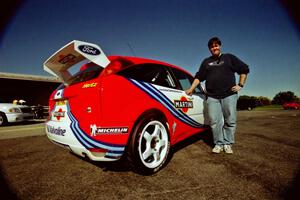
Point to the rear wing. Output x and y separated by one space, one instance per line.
71 54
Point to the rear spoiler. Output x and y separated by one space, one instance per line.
71 54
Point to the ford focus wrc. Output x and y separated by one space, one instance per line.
120 106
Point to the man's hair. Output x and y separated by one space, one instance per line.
213 40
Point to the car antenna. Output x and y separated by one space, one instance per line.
131 49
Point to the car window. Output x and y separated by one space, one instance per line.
150 73
89 73
185 80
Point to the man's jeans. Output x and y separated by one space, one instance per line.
222 119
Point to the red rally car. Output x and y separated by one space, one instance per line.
121 106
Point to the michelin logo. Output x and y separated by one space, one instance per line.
107 130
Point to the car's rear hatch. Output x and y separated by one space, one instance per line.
75 105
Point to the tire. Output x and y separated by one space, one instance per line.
149 145
3 120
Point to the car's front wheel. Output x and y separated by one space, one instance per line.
150 145
3 119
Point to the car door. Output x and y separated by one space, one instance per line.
194 105
168 87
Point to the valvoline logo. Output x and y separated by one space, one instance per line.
89 50
183 104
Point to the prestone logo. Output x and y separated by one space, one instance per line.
56 131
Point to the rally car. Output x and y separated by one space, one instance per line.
121 106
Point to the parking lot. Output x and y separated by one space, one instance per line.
265 165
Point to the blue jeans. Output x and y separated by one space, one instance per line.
222 119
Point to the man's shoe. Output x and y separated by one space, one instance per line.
217 149
228 149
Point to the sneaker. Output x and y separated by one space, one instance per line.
228 149
217 149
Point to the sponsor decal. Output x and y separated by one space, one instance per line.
183 104
107 130
68 58
89 85
61 102
89 50
56 131
59 114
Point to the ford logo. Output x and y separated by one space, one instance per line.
89 50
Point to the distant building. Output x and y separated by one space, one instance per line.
31 88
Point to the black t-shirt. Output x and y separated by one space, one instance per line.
219 74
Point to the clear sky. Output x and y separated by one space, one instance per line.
259 32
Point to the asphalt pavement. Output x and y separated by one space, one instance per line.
265 165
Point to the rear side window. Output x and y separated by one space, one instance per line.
185 80
89 73
150 73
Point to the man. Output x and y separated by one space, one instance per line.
218 72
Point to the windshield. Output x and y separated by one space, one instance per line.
90 72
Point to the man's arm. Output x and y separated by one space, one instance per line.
193 86
241 83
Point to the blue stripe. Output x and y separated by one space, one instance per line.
89 142
113 154
165 101
179 112
82 141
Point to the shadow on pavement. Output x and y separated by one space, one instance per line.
123 165
292 191
5 191
205 136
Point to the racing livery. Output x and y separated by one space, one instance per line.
121 106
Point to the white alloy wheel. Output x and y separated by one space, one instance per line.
153 144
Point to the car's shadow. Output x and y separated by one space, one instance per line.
123 164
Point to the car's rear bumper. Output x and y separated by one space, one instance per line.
71 137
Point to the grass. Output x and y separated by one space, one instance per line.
269 107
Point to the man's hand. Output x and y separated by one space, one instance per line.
236 88
189 91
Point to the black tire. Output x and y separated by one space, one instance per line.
3 119
149 145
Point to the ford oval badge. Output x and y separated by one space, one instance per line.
89 50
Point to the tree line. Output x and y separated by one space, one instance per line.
249 102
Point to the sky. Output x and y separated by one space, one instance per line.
259 32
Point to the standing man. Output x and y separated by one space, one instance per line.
218 72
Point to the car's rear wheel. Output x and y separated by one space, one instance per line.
3 120
150 145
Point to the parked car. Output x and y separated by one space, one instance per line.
291 105
10 113
121 106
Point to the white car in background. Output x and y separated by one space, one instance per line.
10 113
